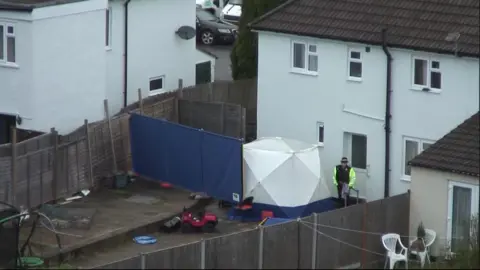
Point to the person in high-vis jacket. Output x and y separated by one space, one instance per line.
343 174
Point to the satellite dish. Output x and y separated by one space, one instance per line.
186 32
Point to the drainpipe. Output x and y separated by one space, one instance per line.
388 114
125 54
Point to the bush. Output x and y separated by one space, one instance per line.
244 54
468 256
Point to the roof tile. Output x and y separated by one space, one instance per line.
458 151
416 24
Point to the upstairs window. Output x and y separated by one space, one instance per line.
411 148
304 58
108 27
426 74
7 43
354 65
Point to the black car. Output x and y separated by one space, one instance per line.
212 30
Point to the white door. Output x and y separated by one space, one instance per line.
462 206
355 149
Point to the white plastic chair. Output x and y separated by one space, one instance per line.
430 236
389 242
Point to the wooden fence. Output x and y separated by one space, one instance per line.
217 117
49 167
348 237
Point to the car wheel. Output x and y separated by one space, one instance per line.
207 38
186 228
209 227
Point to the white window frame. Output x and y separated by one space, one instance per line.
320 125
348 148
428 85
3 39
350 60
108 28
156 91
305 56
420 143
474 205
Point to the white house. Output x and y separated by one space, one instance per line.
449 169
59 59
323 76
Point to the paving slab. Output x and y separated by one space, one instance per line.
116 212
127 249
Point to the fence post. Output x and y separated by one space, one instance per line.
89 153
54 162
210 92
142 261
244 124
314 241
140 100
14 165
180 88
222 119
260 247
202 254
112 143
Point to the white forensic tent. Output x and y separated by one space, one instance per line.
283 172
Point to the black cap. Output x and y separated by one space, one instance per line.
344 160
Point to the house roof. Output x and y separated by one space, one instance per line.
29 5
411 24
457 152
207 52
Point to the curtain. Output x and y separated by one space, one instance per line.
461 215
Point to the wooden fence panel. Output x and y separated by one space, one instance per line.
181 257
220 118
130 263
5 177
305 240
280 246
233 251
375 225
332 252
101 150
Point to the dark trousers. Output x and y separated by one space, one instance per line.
339 191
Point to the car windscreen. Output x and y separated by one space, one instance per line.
235 2
203 15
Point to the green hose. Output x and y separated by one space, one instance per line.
31 262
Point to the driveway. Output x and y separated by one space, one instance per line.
222 65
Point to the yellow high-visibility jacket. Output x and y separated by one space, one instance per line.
351 175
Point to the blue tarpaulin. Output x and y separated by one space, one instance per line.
273 221
185 157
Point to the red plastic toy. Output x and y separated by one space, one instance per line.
200 222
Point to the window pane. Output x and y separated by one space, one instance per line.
359 151
11 49
320 133
313 63
10 30
425 146
420 76
355 69
436 80
355 55
1 42
156 84
299 55
461 215
435 64
312 48
411 150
